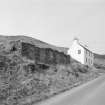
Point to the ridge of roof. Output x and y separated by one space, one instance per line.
85 47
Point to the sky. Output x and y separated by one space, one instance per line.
56 21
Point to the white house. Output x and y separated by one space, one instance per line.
81 53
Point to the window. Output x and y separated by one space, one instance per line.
91 62
86 52
89 53
86 59
79 51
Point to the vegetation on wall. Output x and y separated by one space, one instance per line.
29 73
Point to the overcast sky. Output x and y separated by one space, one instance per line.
56 21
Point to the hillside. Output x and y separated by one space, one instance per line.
99 56
99 61
34 41
32 70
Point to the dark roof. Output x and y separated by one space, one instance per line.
85 47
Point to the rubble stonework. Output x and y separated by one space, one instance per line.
44 55
30 73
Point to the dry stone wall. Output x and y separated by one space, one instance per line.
29 73
44 55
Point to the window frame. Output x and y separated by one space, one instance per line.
79 51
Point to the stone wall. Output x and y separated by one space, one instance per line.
29 74
44 55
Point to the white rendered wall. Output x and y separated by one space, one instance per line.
73 52
89 57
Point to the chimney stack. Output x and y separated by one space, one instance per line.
76 40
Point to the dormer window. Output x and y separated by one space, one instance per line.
79 51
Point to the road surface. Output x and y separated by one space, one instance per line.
91 93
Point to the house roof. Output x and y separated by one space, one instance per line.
84 46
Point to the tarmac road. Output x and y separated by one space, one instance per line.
91 93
